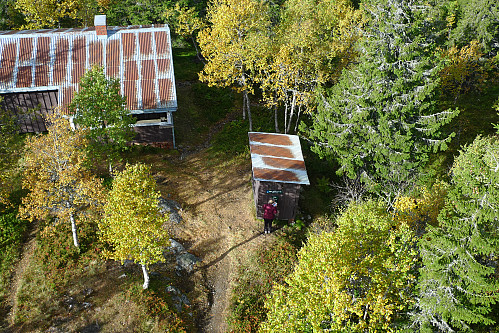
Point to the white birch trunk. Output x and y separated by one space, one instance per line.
246 98
285 114
198 52
292 111
243 84
74 231
297 118
146 277
275 119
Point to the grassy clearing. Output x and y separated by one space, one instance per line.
185 63
199 106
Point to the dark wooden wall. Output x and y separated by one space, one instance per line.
29 107
161 136
287 199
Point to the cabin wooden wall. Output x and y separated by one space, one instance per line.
160 136
287 199
29 107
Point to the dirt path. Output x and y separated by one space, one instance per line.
219 225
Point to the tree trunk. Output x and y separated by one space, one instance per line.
297 118
246 98
146 277
285 113
275 119
111 171
198 53
242 83
74 230
292 111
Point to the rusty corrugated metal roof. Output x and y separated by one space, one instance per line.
48 59
277 158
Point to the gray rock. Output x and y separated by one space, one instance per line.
87 292
179 299
186 261
176 247
170 207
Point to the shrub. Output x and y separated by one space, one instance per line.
57 254
268 266
157 308
464 71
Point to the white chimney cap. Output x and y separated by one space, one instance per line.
100 20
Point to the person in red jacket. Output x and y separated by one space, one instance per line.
269 213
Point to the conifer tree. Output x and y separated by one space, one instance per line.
459 282
479 21
380 121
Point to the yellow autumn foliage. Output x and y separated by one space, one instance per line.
48 13
417 212
358 278
55 175
464 71
133 223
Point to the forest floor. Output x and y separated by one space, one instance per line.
218 226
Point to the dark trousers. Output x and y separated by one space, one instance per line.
268 224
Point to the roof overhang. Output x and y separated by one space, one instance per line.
277 158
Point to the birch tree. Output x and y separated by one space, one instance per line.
133 223
40 14
358 278
381 120
311 43
459 283
54 173
230 45
186 22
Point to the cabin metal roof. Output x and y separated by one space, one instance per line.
277 158
55 59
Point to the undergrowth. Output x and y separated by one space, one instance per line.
233 139
12 230
58 272
158 312
266 267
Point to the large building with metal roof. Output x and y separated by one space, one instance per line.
278 171
43 67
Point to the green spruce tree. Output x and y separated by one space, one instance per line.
479 21
457 286
380 121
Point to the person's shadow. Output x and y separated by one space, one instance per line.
223 255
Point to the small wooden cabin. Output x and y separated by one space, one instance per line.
278 172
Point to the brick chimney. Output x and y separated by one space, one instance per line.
100 26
